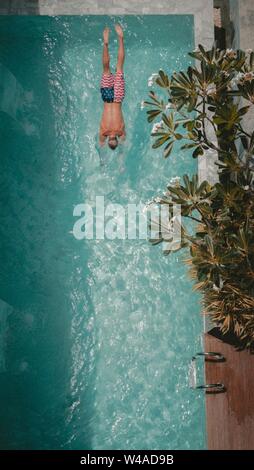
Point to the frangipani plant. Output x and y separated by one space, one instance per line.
204 110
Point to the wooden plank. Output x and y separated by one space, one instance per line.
230 415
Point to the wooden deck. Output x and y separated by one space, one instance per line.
230 415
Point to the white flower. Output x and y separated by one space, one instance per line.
152 78
215 288
239 76
232 84
221 284
142 105
211 89
148 204
248 76
231 53
168 106
175 181
157 126
237 79
248 51
154 129
246 187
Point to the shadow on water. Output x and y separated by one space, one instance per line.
47 373
22 7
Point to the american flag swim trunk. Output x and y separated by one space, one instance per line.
112 87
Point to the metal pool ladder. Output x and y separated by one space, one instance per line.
218 387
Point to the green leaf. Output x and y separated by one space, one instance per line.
162 80
152 114
243 110
178 136
159 142
168 149
245 142
188 146
154 97
168 120
197 152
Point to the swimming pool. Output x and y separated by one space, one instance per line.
96 335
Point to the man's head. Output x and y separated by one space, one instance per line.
112 142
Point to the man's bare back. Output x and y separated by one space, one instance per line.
112 120
112 127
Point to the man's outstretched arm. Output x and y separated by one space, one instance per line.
102 138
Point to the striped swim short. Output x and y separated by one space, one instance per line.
112 87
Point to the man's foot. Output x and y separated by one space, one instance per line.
106 35
119 30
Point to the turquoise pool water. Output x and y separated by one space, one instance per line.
96 336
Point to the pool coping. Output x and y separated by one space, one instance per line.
201 9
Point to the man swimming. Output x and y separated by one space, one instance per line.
112 127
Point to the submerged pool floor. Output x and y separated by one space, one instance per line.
96 335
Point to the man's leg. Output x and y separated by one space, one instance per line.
120 57
105 54
107 79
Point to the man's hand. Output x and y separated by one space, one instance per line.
106 35
122 137
102 139
119 30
